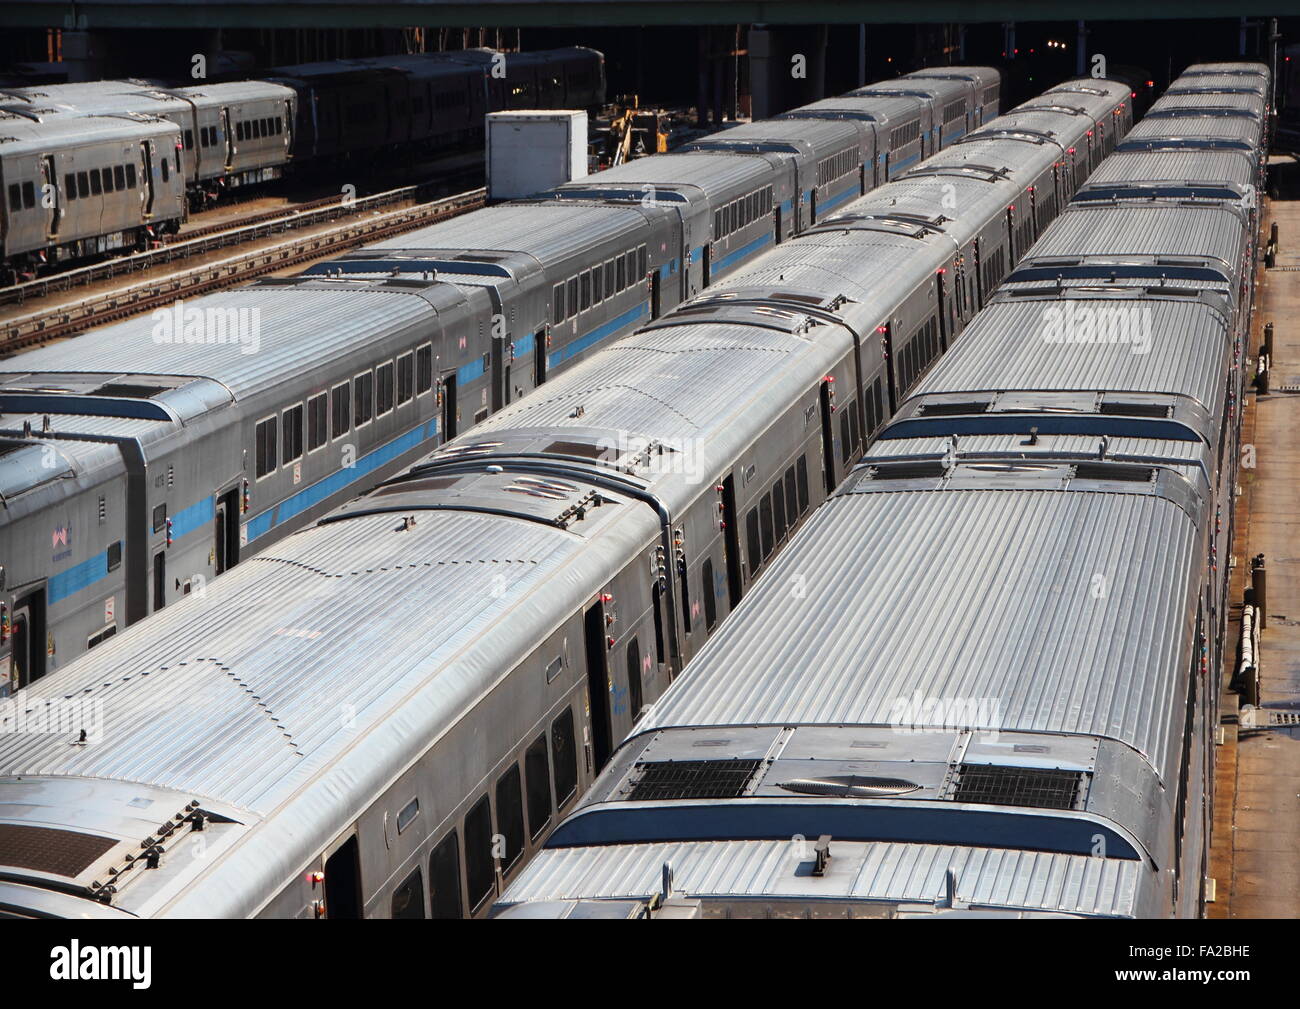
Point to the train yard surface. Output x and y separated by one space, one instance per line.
1257 812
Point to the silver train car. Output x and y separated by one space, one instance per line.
581 545
470 314
995 692
232 135
79 187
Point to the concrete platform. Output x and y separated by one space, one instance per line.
1256 855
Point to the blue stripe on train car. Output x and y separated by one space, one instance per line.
580 344
524 345
308 497
76 578
466 373
197 516
835 201
743 251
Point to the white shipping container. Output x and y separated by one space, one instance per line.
529 152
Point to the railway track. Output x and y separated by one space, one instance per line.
41 326
209 238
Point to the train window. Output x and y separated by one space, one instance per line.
189 140
791 497
69 188
423 368
444 879
620 274
565 755
854 430
597 285
266 447
557 305
106 174
405 378
16 196
510 816
83 185
752 542
537 780
318 410
778 511
717 224
239 130
384 389
130 176
632 276
609 279
342 410
114 556
641 264
292 445
765 516
166 168
710 598
480 871
102 636
846 447
803 484
571 298
363 399
584 301
408 899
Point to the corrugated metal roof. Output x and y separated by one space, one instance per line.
289 337
1234 127
1008 346
547 231
674 384
237 695
1010 446
1175 165
962 594
1167 229
882 871
709 171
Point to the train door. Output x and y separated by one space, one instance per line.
886 339
289 126
159 580
539 357
28 630
598 692
654 294
777 218
229 135
449 407
500 374
947 319
812 206
146 176
731 540
862 180
828 438
343 881
50 198
226 531
706 264
1011 241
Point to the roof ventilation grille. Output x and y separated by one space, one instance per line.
1018 786
663 780
851 786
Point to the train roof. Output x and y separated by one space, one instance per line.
905 579
288 338
236 701
20 135
1188 163
872 879
711 172
1136 342
547 231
